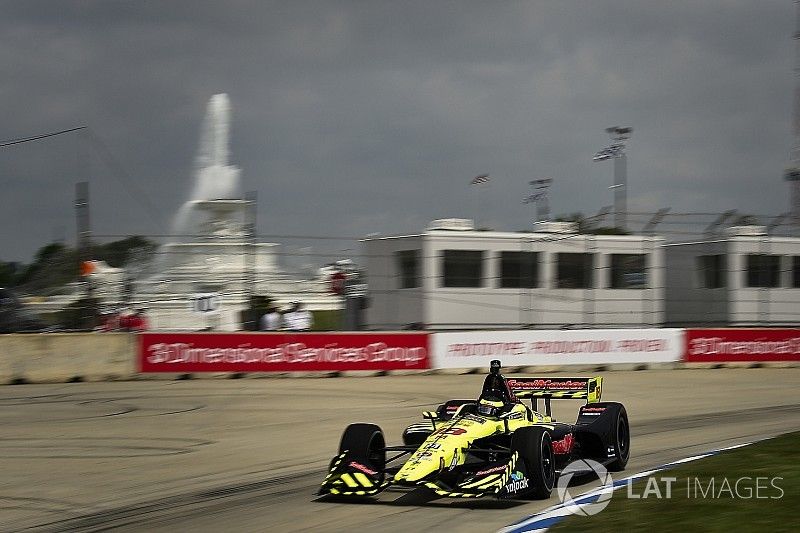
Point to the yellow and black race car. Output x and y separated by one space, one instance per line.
493 446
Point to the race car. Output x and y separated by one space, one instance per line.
494 446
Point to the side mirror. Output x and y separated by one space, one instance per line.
432 416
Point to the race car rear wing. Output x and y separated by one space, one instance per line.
588 389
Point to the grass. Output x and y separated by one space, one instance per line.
327 320
689 510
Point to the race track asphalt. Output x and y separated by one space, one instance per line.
249 454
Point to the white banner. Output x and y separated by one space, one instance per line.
557 347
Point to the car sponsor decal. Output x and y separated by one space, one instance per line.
474 418
564 445
491 470
359 466
548 384
452 431
518 482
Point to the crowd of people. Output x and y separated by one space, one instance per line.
296 318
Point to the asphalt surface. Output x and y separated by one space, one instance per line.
249 454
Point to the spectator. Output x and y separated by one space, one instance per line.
140 322
109 321
297 318
136 321
271 321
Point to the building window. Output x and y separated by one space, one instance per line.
712 271
628 271
519 270
462 268
574 271
408 267
763 270
796 272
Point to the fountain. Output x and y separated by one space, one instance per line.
213 253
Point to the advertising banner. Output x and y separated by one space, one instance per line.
745 345
557 347
281 352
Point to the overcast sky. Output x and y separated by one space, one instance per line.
352 117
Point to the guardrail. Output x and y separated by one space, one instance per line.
64 357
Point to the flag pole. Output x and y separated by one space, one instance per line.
483 181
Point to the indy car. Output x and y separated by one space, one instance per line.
494 446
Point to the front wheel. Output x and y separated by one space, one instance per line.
365 440
535 448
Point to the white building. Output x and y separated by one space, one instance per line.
743 278
454 277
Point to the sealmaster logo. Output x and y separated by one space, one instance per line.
518 482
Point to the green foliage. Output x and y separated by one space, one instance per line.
587 225
9 273
118 253
81 314
56 264
327 320
746 220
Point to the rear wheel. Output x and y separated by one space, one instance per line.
621 438
535 448
365 440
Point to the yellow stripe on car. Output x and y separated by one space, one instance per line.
348 479
364 480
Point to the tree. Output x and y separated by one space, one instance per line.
587 225
746 220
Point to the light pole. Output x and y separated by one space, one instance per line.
540 198
616 151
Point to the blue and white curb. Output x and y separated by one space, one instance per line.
543 520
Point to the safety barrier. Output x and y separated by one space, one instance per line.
63 357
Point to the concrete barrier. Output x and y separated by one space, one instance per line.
64 357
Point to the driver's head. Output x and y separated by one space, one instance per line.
490 406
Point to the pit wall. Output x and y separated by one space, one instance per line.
66 357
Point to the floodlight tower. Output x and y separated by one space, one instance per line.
616 151
792 174
540 198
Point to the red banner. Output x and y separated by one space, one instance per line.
748 345
281 352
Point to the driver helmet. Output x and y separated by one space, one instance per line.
490 406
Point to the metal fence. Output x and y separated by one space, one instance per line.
563 291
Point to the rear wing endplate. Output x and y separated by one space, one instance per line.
588 389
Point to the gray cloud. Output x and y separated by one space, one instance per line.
357 117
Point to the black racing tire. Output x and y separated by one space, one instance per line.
621 439
365 440
535 447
